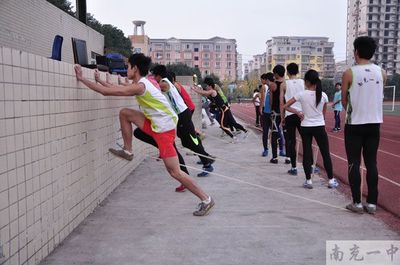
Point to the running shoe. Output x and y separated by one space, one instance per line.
316 169
333 184
206 171
274 161
355 208
308 184
265 153
287 160
181 188
370 208
204 208
292 171
122 153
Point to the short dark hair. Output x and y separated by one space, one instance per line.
292 69
209 81
170 77
365 47
173 75
141 61
279 70
160 70
269 76
338 84
264 76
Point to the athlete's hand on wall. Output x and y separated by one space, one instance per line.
78 72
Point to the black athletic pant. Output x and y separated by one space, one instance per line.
257 115
229 120
363 138
266 124
337 119
292 123
276 135
144 137
187 133
319 133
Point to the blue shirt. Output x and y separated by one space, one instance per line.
338 97
267 108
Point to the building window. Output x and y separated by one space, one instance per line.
206 55
158 47
196 58
206 47
168 47
196 66
187 46
228 47
159 55
178 48
218 56
218 48
319 49
293 48
196 49
218 65
168 56
206 64
187 56
228 56
229 65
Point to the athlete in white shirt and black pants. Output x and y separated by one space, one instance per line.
293 87
313 103
362 96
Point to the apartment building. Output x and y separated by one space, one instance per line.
308 52
380 20
212 56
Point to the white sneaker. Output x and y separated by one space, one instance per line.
333 184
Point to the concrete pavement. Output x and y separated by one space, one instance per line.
262 216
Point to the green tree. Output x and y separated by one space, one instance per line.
184 70
115 41
64 5
328 87
114 38
393 80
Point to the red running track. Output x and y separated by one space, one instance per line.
388 155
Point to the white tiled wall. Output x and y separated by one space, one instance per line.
31 25
54 164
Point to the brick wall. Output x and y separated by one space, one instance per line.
54 164
30 25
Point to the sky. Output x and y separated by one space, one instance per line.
250 22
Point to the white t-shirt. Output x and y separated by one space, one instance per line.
256 97
293 87
313 115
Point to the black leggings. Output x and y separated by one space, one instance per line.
292 123
144 137
363 138
266 124
319 133
276 135
337 119
227 121
187 133
257 115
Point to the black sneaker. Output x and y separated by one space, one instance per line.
204 208
274 161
